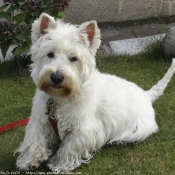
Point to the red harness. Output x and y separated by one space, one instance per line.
54 125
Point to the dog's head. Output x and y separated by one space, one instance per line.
62 54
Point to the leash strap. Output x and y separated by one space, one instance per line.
13 125
10 126
50 107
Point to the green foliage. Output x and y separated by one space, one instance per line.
155 51
20 15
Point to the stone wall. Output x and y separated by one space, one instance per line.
118 10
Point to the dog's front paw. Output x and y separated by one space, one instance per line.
26 165
57 166
57 169
28 161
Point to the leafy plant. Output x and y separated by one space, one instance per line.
155 51
19 15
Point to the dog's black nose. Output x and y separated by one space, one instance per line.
56 78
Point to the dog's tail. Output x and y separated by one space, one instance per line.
157 90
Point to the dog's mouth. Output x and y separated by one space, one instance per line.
58 89
58 86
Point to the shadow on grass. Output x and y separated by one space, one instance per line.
16 66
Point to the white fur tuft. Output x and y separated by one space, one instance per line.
157 90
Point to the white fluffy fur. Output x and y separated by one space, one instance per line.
99 108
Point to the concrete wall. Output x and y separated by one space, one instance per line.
118 10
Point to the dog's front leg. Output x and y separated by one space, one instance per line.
33 150
73 151
38 135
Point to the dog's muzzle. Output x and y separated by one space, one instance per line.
55 84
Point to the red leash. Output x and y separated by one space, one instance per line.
24 122
13 125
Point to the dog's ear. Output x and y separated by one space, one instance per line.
41 26
90 34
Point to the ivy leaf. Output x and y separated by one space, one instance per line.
20 49
17 7
2 15
3 7
4 47
19 17
21 36
47 3
61 15
5 15
23 7
48 11
11 9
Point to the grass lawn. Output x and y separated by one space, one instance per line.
156 155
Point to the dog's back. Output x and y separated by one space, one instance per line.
125 107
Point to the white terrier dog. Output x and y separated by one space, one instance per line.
91 108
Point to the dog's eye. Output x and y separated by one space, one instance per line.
73 59
50 55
